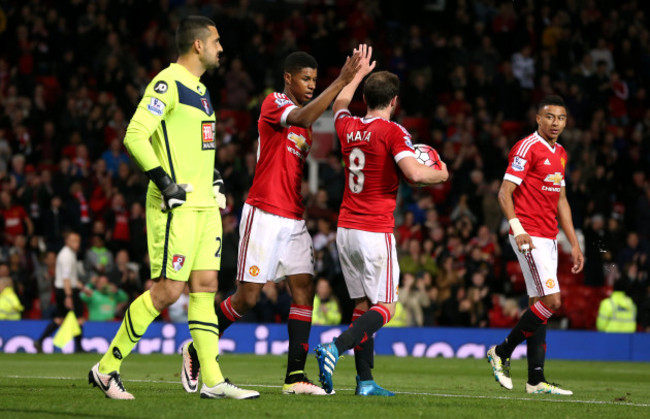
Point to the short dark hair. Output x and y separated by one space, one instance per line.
190 29
380 88
298 60
552 100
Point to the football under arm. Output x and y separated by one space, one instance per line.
421 174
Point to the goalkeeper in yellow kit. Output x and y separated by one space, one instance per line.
183 199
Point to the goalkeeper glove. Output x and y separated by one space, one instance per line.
219 189
173 194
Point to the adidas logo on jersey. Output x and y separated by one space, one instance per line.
547 163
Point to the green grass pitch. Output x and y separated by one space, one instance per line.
57 386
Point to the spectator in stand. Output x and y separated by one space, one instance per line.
447 278
416 262
478 316
117 223
15 218
507 316
10 306
45 280
114 157
326 306
137 232
125 275
523 67
98 259
617 313
424 202
413 296
239 86
332 177
56 220
408 230
635 251
129 183
102 299
34 197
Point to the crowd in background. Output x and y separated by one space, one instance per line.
72 74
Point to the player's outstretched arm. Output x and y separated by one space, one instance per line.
305 116
524 242
566 222
344 98
421 174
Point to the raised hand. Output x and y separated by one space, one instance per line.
351 67
365 52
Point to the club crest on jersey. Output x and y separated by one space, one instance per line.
177 262
518 164
156 106
550 283
254 270
206 105
207 135
409 144
299 140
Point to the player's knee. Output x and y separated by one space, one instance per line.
553 302
245 300
165 292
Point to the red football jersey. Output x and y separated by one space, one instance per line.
371 149
538 169
281 155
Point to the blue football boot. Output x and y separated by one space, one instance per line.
370 388
327 356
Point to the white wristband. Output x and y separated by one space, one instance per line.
516 227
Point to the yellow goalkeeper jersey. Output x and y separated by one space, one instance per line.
173 127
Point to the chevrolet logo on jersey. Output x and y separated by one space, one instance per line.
556 178
299 141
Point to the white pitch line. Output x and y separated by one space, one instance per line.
460 396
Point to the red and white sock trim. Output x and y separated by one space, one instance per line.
356 314
541 310
385 314
302 313
228 310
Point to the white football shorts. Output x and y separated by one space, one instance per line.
539 266
272 247
369 264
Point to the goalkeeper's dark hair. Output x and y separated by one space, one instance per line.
551 100
298 60
380 88
190 29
